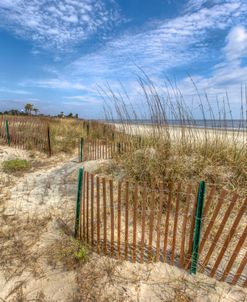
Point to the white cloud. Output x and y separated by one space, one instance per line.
236 44
56 24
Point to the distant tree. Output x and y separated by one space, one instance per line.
76 115
29 108
70 115
61 114
36 110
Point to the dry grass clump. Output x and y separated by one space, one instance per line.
67 252
171 165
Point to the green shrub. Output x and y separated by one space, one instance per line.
15 165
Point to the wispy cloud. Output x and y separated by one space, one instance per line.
57 24
55 83
164 44
14 91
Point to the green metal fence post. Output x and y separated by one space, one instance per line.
78 202
198 226
7 132
81 148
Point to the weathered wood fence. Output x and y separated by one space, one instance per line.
25 134
105 149
138 223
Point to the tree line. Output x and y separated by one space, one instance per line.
29 109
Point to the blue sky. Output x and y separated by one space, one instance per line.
55 54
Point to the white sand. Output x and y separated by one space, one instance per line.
177 133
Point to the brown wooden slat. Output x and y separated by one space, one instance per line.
105 216
175 224
126 219
219 232
240 270
229 237
119 218
112 216
234 254
212 221
98 212
134 221
87 204
144 202
161 202
166 230
151 225
183 237
92 209
191 233
208 201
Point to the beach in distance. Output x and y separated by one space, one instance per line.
188 132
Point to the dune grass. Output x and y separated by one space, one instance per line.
180 152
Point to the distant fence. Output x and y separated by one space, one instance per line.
25 134
138 223
105 149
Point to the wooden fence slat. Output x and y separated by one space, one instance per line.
119 218
92 209
234 254
134 220
98 213
87 204
184 226
191 234
221 227
126 219
175 224
144 202
166 231
161 202
151 225
240 270
208 201
112 216
229 237
105 215
212 221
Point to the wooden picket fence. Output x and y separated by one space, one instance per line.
25 134
104 149
138 223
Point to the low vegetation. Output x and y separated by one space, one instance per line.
16 165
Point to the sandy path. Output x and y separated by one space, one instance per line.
45 194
